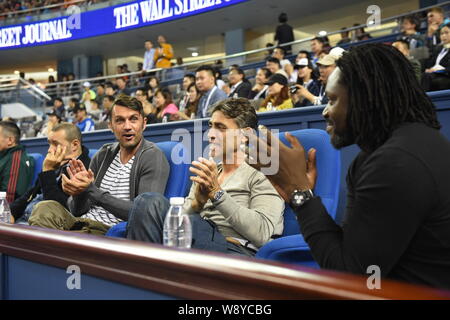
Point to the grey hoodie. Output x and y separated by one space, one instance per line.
149 173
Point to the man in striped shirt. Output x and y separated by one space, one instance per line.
16 167
102 196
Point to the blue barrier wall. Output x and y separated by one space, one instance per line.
286 120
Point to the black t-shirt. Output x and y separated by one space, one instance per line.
397 215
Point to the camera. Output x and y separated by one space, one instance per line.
293 89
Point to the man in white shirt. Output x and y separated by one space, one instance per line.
148 56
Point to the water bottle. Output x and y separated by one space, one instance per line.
177 226
5 211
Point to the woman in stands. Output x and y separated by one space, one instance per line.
164 104
437 74
149 110
152 87
308 86
278 94
191 108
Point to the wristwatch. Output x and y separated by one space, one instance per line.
218 195
299 198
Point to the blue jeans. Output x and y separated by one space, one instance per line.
146 223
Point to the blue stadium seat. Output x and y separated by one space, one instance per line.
177 182
38 161
92 152
291 247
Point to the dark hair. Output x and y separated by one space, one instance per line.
238 109
305 52
59 99
126 101
413 20
145 92
280 98
190 76
274 60
240 72
110 98
208 69
192 107
267 72
9 129
167 96
283 51
384 93
323 40
282 18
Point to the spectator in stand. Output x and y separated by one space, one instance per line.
59 109
95 112
278 94
74 87
219 82
84 123
102 196
64 144
188 79
284 33
190 110
437 74
436 20
240 87
377 105
150 112
122 87
52 120
318 44
88 95
50 87
163 54
153 86
62 88
16 167
403 47
73 102
107 106
233 208
345 37
273 64
308 86
410 32
110 89
164 104
279 53
100 94
226 87
259 90
269 51
149 57
205 81
360 34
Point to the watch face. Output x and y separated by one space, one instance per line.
299 198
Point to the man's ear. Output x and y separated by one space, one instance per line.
110 125
75 145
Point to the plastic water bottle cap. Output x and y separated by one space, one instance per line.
2 195
176 201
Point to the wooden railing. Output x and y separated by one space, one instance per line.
192 274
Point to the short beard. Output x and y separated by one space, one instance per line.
340 141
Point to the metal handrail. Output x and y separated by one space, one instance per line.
249 52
